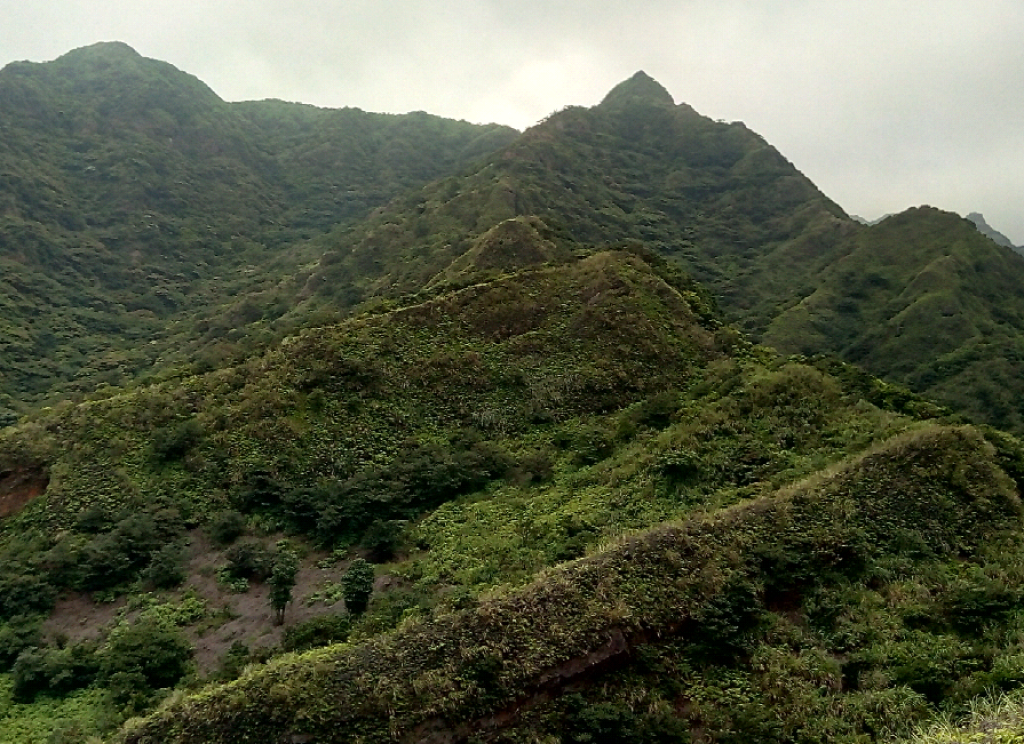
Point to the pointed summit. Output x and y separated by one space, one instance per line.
641 88
103 50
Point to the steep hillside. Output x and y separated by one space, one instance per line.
465 442
427 436
634 168
713 593
782 261
161 229
141 216
923 299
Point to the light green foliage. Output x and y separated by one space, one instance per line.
998 720
75 718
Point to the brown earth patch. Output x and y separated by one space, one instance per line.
19 486
232 616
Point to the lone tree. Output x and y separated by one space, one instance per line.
357 585
282 579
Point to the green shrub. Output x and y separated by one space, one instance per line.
173 442
149 651
16 635
234 661
166 568
249 560
357 586
56 671
382 539
23 594
226 527
322 630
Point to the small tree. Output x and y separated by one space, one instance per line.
357 585
282 579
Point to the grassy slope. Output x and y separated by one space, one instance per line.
618 402
459 673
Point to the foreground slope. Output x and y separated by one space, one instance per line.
465 441
936 494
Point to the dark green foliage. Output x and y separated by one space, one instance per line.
726 627
149 652
283 570
613 723
382 539
16 635
23 593
420 477
979 602
358 586
54 671
316 632
226 527
166 567
120 555
249 560
259 490
234 661
174 441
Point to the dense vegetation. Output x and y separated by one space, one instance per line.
144 222
396 428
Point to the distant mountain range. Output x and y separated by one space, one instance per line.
987 230
155 227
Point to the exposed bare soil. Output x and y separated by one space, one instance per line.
19 486
233 616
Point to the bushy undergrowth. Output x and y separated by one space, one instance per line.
469 453
722 581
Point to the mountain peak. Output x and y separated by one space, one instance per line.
641 88
988 231
107 51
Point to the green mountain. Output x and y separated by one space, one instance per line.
490 432
376 428
142 219
921 299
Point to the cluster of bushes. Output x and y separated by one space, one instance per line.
134 661
421 476
104 552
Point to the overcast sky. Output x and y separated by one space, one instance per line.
884 104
